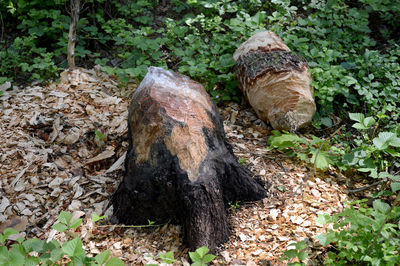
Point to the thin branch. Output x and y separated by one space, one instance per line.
135 226
365 188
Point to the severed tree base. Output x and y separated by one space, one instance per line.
179 167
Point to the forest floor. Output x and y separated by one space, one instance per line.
52 160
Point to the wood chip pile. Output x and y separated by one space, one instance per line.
51 160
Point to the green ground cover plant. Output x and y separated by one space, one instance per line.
361 233
34 251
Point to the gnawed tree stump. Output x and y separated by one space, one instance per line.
178 165
275 81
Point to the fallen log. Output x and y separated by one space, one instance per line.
178 165
275 81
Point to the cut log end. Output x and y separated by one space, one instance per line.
275 81
178 166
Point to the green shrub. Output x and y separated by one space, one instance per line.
34 251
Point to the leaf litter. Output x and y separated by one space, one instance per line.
51 161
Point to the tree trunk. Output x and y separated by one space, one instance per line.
75 6
178 165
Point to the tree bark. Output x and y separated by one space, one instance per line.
75 6
178 165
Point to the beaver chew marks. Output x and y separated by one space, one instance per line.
275 81
178 165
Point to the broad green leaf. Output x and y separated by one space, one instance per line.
381 206
73 247
115 262
56 254
102 257
38 246
3 253
302 156
392 152
291 253
208 258
359 126
323 218
202 251
168 257
194 256
357 117
16 256
32 261
10 231
64 217
302 255
285 140
395 142
395 186
76 223
60 227
300 245
395 177
29 243
326 121
226 60
323 159
96 217
324 239
368 122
